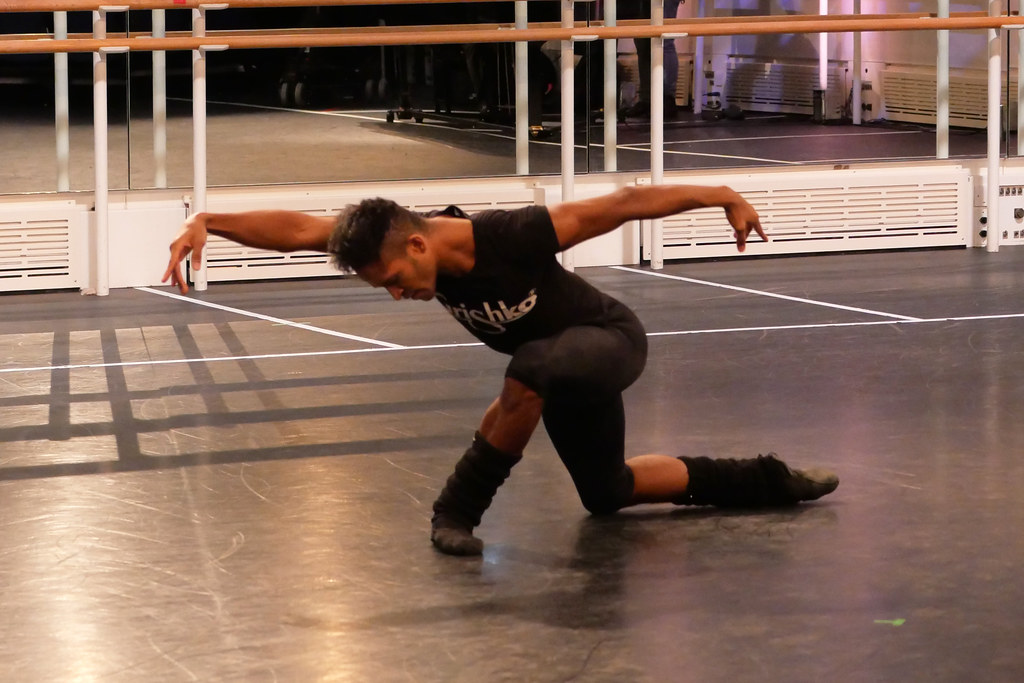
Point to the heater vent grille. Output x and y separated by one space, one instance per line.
835 211
779 87
909 95
40 247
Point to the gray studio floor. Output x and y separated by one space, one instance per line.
192 493
195 493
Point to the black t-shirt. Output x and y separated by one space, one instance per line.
517 291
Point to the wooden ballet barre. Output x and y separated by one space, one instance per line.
489 26
323 30
296 31
435 35
86 5
795 18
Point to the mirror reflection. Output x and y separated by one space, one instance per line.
377 113
46 139
328 114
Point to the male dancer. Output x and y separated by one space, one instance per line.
573 348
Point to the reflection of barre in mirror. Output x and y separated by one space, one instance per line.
433 36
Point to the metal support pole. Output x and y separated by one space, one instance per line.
821 92
611 95
199 184
1015 31
568 119
698 66
61 110
823 52
994 128
657 129
100 150
159 102
101 179
857 99
522 94
942 88
1020 94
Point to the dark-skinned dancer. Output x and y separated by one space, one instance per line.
573 348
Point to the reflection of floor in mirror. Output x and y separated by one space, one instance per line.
258 144
248 145
197 493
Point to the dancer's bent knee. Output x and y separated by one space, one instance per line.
609 496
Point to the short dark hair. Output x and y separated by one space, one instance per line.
359 234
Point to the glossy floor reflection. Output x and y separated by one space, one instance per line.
191 494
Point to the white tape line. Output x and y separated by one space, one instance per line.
769 294
279 321
429 347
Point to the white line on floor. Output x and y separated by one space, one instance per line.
763 293
428 347
375 115
771 328
645 149
279 321
266 107
770 138
860 323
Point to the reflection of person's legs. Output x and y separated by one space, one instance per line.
643 59
488 64
542 79
671 61
473 70
641 10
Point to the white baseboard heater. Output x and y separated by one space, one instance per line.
832 210
43 245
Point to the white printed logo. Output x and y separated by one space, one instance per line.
490 319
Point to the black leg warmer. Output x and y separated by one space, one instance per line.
756 482
466 494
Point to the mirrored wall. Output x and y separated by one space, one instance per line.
409 112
